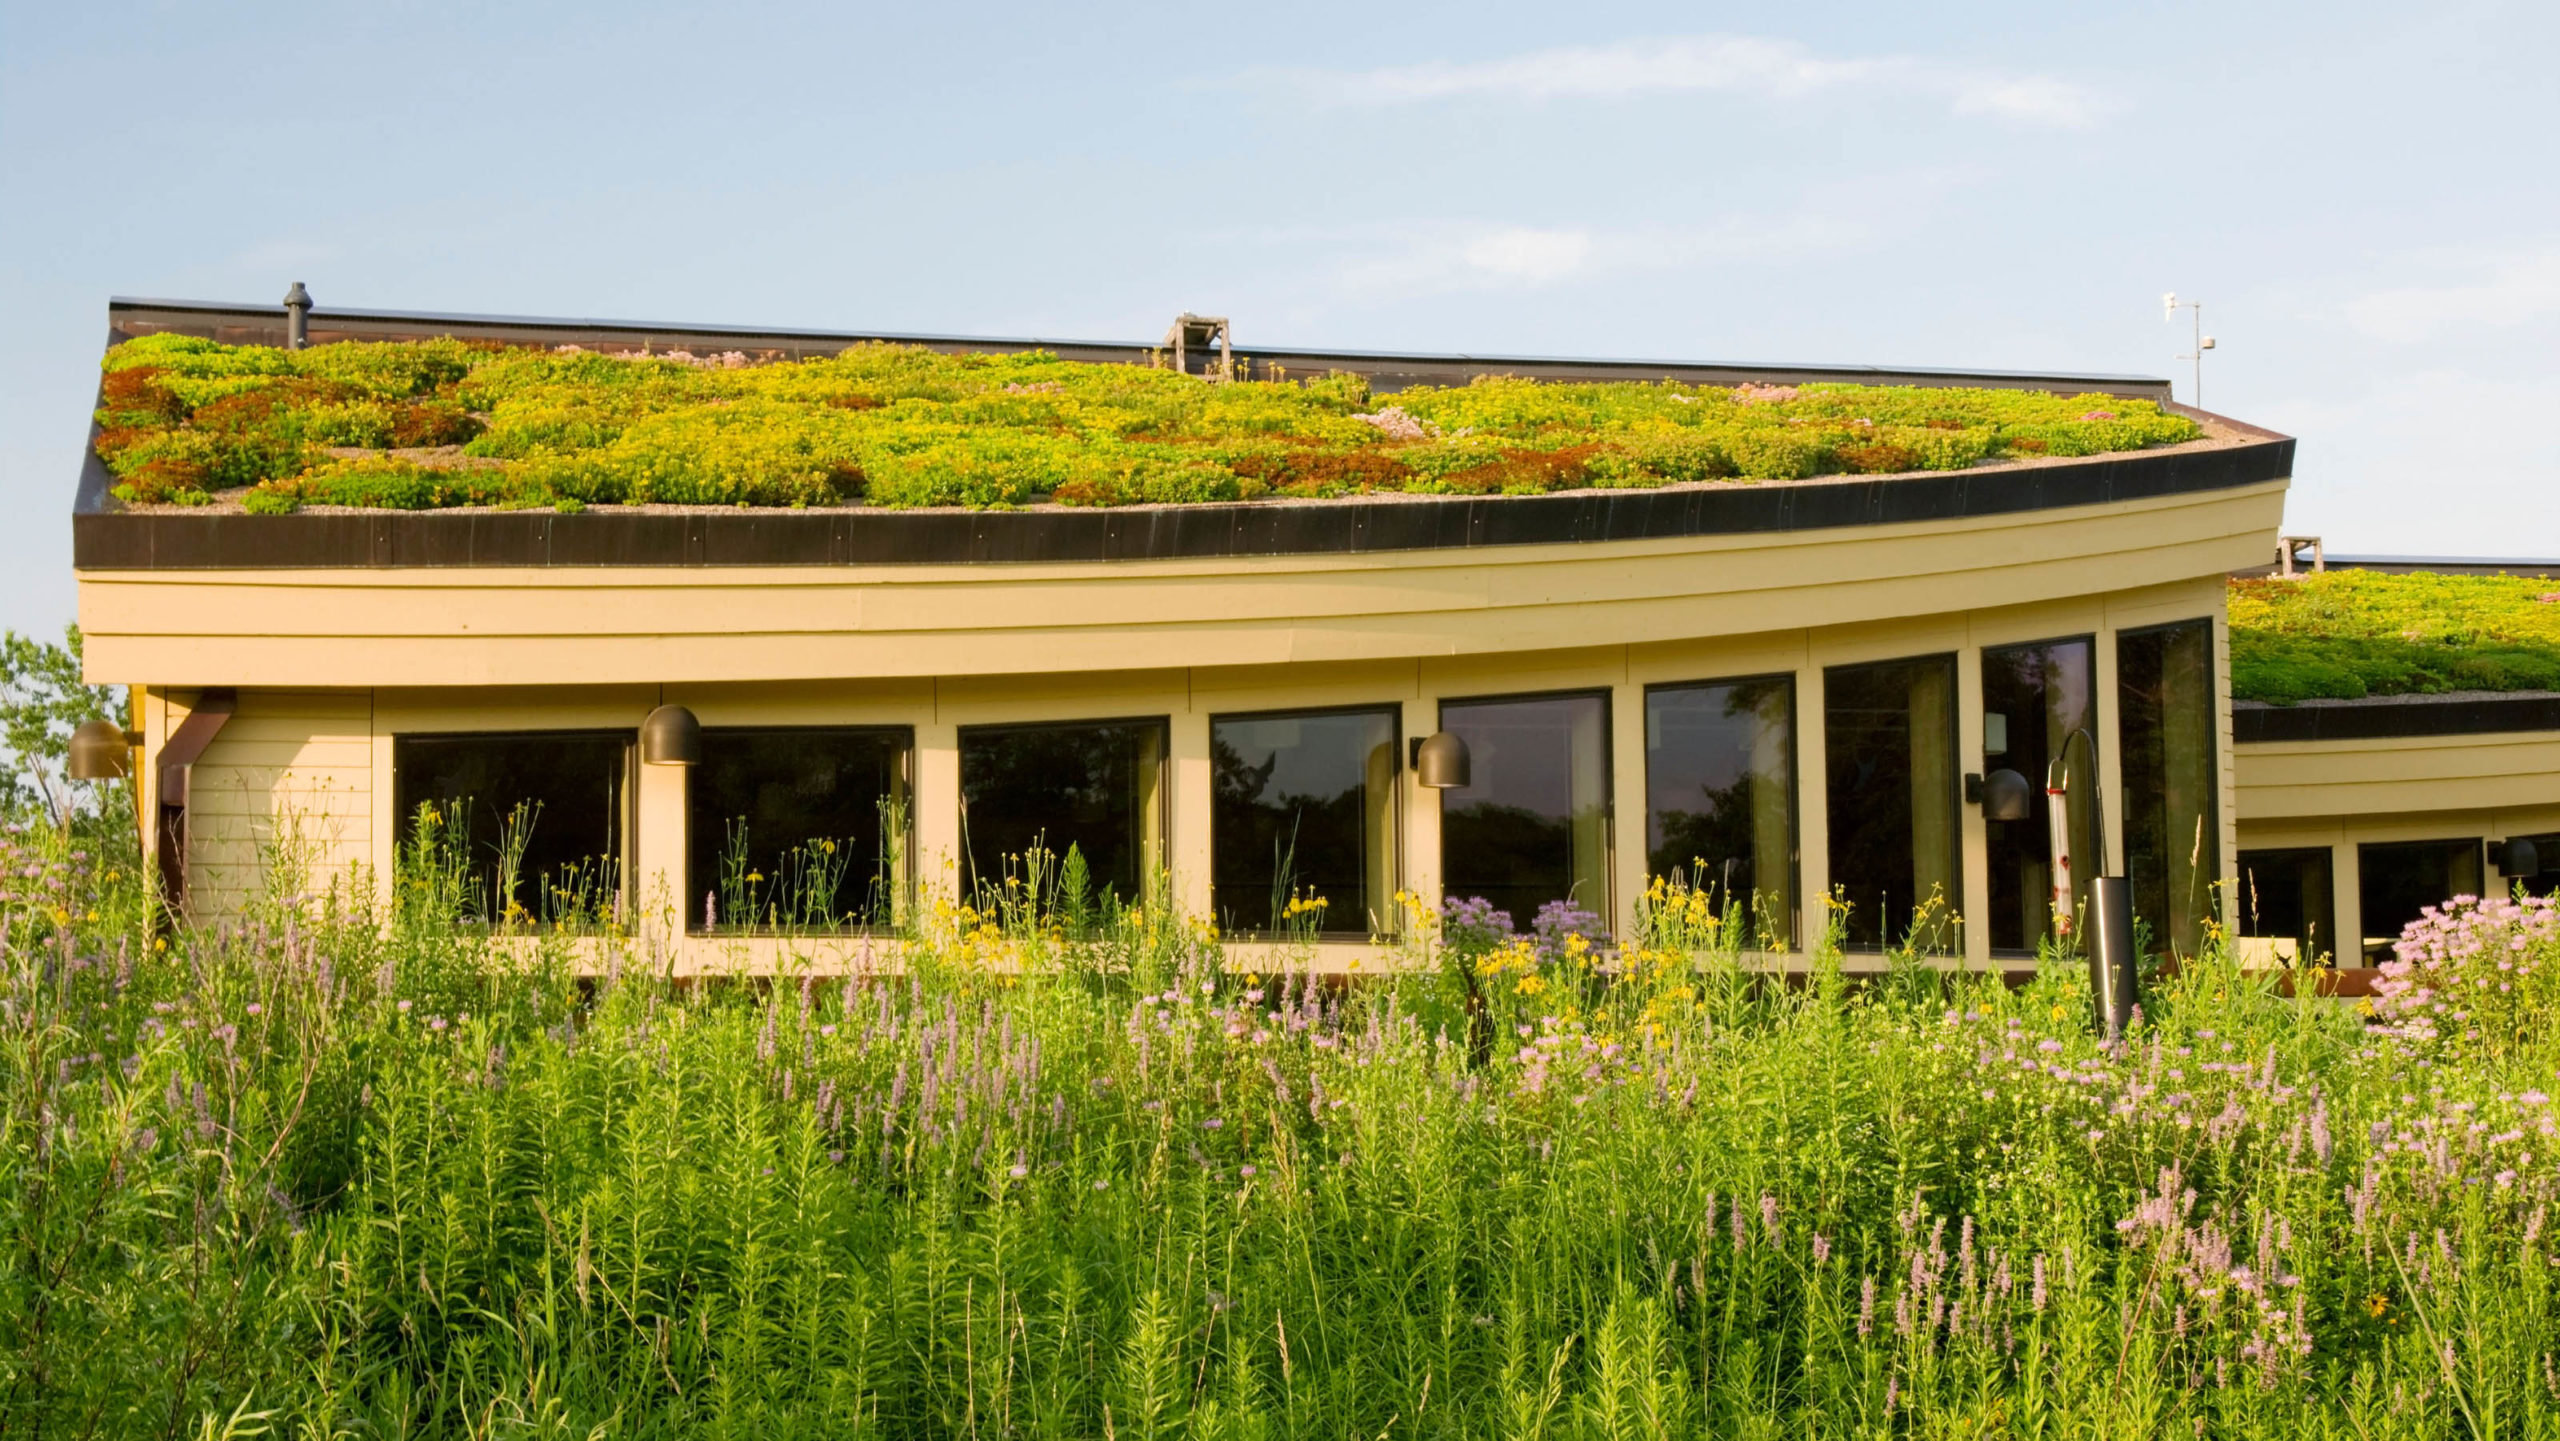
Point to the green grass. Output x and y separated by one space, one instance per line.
2347 634
420 425
339 1174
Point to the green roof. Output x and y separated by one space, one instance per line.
439 423
2349 634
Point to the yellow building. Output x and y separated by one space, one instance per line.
1784 690
2356 814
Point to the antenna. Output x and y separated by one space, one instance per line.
2170 305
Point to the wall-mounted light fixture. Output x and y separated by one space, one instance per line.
2004 795
671 737
101 750
2518 856
1440 761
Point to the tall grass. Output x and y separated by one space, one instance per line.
330 1172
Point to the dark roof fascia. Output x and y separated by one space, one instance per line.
168 539
1387 370
2393 718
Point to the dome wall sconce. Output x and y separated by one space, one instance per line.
671 736
1440 761
2004 795
2517 856
101 750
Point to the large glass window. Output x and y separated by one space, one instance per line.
2396 881
1093 788
517 828
1889 741
1532 824
2286 899
1302 813
2034 698
2172 837
797 827
1720 794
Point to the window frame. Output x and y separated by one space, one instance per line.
1606 910
1795 783
1164 807
906 784
2225 759
2083 873
1955 883
626 860
1385 905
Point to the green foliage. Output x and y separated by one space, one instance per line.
2347 634
43 698
344 1172
902 426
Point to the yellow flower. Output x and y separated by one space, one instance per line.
2376 1304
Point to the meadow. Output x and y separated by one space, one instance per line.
338 1171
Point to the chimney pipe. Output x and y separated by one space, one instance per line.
297 317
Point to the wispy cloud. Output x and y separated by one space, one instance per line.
1733 64
1427 257
2506 291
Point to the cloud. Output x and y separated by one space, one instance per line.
1427 257
2511 291
1731 64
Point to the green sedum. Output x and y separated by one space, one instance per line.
430 424
2348 634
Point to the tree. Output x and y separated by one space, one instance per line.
43 698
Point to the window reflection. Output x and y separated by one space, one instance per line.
1720 795
1532 825
538 825
2168 725
795 826
1889 741
1094 788
1302 811
2033 698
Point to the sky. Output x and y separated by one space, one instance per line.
2361 195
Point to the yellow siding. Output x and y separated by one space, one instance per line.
288 783
2301 780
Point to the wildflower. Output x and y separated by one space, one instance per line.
1019 1171
1247 1172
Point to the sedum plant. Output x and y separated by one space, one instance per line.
430 424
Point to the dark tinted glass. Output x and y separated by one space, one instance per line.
1720 784
2286 895
2033 698
2172 839
786 826
555 800
1096 788
1889 738
1532 825
2397 881
1302 809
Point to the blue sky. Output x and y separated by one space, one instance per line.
2362 195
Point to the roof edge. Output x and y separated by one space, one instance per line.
253 324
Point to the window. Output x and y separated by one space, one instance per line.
2545 879
796 827
1720 795
2172 839
1889 740
2395 882
1302 810
2034 698
518 827
1532 827
2287 899
1093 789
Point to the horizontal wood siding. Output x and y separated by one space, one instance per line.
288 783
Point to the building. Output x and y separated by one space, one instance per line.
2355 814
1783 690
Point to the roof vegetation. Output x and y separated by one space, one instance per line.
2348 634
428 424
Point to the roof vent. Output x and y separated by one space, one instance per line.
297 317
1189 340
